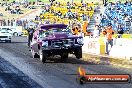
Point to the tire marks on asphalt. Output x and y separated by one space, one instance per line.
11 77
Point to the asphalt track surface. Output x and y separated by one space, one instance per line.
19 70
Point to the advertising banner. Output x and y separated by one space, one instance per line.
93 45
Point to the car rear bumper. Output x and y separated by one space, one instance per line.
5 39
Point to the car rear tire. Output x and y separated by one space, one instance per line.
9 41
78 52
34 54
15 34
64 57
43 56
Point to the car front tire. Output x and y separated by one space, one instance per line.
34 55
43 56
78 52
64 57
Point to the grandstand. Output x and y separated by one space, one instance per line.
79 12
118 14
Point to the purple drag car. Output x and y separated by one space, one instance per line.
55 39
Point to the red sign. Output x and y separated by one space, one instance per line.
105 78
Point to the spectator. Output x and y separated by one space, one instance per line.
4 23
76 28
127 32
8 22
103 21
127 23
97 19
76 16
59 14
84 27
68 5
96 31
1 22
30 35
17 9
88 18
120 31
84 17
12 22
69 14
108 32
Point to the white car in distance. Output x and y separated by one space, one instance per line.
15 31
5 36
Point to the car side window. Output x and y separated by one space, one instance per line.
47 33
41 34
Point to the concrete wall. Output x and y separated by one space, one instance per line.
122 47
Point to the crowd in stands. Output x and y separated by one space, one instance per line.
76 11
56 11
67 13
119 15
15 8
12 7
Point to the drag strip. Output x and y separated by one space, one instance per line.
54 74
11 77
